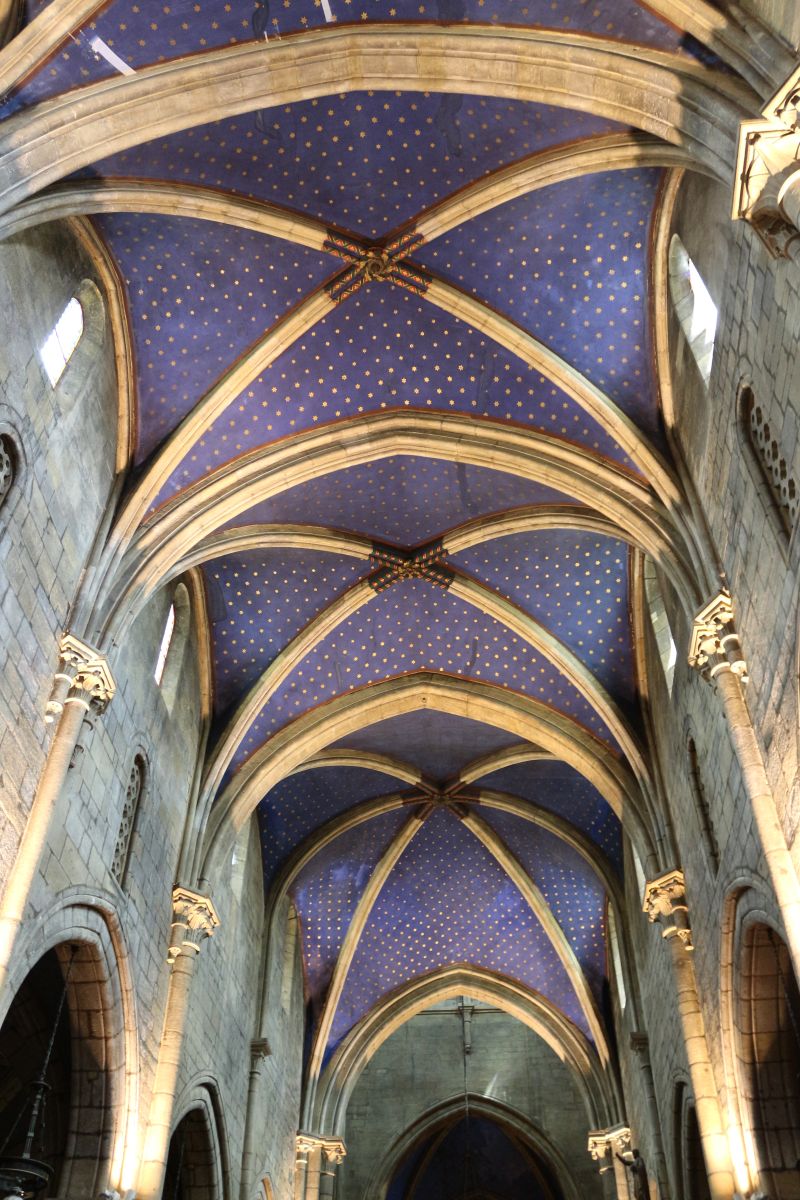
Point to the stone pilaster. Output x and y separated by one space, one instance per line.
715 651
767 181
665 903
194 919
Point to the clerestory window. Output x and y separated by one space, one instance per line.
133 795
765 454
60 345
693 305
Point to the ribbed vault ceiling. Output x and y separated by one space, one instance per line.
395 393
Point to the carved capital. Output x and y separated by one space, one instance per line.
714 645
332 1149
767 171
259 1052
640 1044
603 1144
83 673
194 918
665 902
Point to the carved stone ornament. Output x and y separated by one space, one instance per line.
260 1051
767 180
83 672
333 1148
194 918
603 1144
714 645
665 902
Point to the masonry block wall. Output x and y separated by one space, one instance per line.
422 1065
64 490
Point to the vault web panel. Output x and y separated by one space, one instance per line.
367 161
576 584
561 790
259 601
302 803
436 742
447 901
199 295
141 36
402 499
327 891
568 884
386 349
578 252
414 626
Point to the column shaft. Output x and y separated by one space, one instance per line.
782 871
716 1150
34 836
156 1147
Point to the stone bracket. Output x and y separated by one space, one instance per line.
665 902
767 167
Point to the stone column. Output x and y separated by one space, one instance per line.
715 651
640 1045
767 181
83 685
259 1053
194 918
665 903
604 1146
316 1163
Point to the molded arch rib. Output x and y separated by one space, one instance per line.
663 94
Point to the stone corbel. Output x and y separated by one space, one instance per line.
604 1144
84 674
714 645
767 183
194 918
665 903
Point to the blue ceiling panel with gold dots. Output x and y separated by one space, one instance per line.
448 901
327 890
258 601
402 499
475 1157
571 888
303 802
386 349
366 161
561 790
438 743
415 626
576 584
577 253
140 35
199 295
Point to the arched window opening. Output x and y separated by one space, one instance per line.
239 861
694 1168
701 804
171 651
133 795
665 642
778 484
61 343
36 1014
769 1052
191 1166
693 305
8 466
166 642
616 959
290 946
